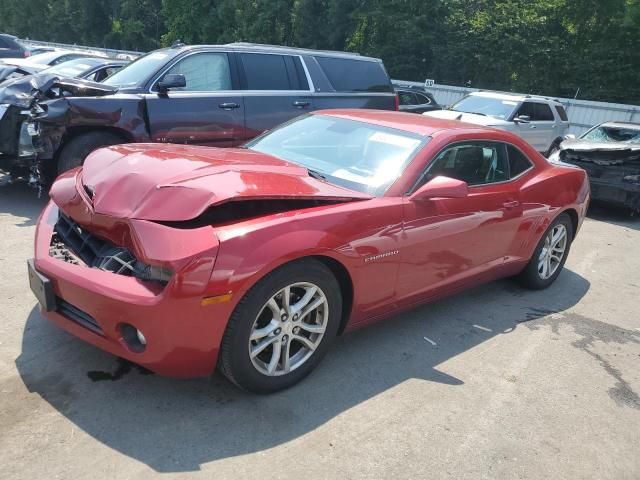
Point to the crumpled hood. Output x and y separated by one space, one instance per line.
23 91
175 182
467 118
579 145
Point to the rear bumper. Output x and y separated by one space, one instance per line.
182 337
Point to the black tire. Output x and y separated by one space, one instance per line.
530 276
78 148
234 361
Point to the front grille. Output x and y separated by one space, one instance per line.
78 316
73 244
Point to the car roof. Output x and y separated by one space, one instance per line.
631 125
258 47
409 122
512 96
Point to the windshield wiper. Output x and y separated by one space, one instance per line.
315 174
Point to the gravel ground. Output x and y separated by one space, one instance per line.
498 382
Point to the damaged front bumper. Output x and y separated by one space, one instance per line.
614 174
17 151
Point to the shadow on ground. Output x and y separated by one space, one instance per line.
175 426
622 217
21 201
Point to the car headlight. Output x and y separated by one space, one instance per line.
25 143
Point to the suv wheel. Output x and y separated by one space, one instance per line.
78 148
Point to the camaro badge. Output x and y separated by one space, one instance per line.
381 256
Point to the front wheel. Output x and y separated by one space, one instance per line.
282 328
550 255
78 148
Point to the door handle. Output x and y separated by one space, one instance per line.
229 106
300 104
510 205
533 126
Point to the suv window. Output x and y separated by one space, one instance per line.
518 162
543 112
204 72
348 75
423 99
266 72
407 98
562 113
537 112
476 163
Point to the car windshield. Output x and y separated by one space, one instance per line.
72 68
491 107
138 70
353 154
611 133
44 58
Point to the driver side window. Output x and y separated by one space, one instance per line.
477 163
204 72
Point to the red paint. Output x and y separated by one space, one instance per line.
436 246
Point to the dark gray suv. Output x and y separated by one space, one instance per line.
11 48
220 95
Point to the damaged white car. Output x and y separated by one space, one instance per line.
610 154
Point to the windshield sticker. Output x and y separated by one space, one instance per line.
396 140
509 102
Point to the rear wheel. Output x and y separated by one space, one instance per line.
282 328
78 148
550 255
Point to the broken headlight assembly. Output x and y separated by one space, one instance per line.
28 130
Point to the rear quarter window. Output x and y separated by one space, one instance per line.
349 75
518 162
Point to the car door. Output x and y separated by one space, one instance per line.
275 89
452 241
208 111
539 130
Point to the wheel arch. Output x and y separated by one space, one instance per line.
346 286
575 220
74 132
335 266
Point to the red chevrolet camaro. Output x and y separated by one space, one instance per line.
184 258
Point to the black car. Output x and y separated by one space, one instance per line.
91 68
414 98
220 95
11 48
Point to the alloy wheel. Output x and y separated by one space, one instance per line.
288 329
553 251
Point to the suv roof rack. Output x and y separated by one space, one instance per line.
297 49
501 92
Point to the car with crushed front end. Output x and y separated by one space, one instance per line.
184 258
610 154
212 95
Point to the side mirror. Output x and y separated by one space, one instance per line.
171 80
441 187
570 136
522 119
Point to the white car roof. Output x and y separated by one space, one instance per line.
513 97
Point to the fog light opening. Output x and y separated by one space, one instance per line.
134 338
